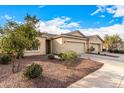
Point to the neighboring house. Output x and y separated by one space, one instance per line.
119 46
75 41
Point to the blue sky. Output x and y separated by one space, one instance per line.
86 18
77 13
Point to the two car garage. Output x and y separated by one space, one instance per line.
78 47
76 42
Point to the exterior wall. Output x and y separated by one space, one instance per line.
42 47
119 46
96 47
77 45
96 43
41 50
57 45
62 44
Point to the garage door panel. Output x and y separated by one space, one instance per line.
77 47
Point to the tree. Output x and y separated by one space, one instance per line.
107 41
10 25
19 37
14 43
111 41
115 39
1 31
31 20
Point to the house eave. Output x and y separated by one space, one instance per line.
68 36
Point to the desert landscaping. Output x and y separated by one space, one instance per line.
55 73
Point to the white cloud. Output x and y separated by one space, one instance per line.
10 18
119 12
102 16
7 17
51 28
123 21
41 6
19 22
111 10
114 29
111 21
62 24
100 8
73 24
58 21
97 23
116 10
57 25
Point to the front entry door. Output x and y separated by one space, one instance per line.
48 47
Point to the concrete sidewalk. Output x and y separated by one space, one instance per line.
111 75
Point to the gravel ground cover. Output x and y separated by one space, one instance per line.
55 73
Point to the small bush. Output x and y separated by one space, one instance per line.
116 51
60 54
5 59
50 56
68 55
33 71
104 50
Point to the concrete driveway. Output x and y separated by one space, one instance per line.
111 75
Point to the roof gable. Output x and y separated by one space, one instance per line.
75 33
96 36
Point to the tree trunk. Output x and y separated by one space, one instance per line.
18 65
13 65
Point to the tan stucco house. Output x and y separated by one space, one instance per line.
75 41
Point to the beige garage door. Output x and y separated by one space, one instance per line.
77 47
96 47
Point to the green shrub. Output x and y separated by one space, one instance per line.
116 51
104 50
68 56
5 59
50 56
60 55
33 71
